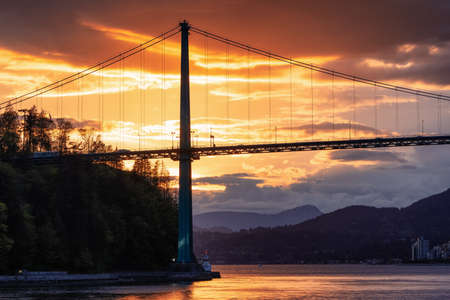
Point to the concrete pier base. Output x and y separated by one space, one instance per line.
106 279
186 267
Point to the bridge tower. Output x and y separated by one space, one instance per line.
185 243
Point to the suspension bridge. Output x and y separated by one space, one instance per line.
245 100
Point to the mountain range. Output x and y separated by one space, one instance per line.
220 221
353 233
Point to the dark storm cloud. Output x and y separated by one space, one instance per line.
241 194
326 127
353 30
85 124
421 64
228 179
51 28
366 155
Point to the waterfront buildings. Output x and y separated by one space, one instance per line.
420 251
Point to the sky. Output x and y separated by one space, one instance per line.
240 97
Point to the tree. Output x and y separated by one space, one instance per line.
63 128
29 129
44 126
98 146
160 177
36 129
5 242
116 164
91 142
9 132
142 167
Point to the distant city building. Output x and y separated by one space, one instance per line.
435 253
445 251
420 249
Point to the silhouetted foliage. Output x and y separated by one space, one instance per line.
5 242
9 133
79 216
84 217
34 131
63 129
91 142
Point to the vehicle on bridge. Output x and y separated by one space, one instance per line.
48 154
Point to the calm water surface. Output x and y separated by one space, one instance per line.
278 282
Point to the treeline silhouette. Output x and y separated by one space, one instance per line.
35 131
79 216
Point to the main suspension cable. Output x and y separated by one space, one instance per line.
320 69
90 70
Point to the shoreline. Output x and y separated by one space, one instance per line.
120 278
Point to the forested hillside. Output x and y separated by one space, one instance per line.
78 216
350 234
83 217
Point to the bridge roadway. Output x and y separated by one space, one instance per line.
197 152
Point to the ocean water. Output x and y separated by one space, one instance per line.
277 282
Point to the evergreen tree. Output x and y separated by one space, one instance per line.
9 133
63 129
5 242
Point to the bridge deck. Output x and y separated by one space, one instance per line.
252 149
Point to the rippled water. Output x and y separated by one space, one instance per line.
278 282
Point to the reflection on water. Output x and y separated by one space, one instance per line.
277 282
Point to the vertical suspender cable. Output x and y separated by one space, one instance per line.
102 115
417 114
312 104
150 91
332 103
164 87
82 99
97 126
290 103
354 107
78 100
439 116
162 96
207 82
99 100
62 101
446 116
397 129
144 95
58 103
228 84
375 107
58 100
248 95
270 98
140 86
122 104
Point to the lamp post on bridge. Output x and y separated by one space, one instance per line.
173 134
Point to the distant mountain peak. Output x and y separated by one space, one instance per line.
246 220
354 233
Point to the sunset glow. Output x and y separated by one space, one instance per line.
237 97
